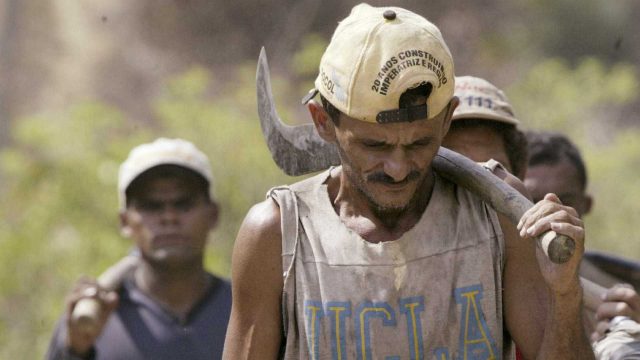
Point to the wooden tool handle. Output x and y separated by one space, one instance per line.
502 197
558 248
86 313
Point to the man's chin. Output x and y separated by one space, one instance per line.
172 256
387 206
389 209
391 203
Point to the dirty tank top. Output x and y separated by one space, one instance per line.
434 293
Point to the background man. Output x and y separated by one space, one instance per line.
381 257
170 307
484 126
484 123
556 165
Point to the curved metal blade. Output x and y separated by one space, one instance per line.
297 150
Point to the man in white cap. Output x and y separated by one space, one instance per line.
169 307
381 258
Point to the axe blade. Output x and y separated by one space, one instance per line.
297 150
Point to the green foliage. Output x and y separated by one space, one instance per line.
613 170
584 102
306 61
58 216
59 203
558 96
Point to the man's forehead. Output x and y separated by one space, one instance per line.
557 177
397 132
166 187
174 186
561 169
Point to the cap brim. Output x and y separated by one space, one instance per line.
312 93
485 116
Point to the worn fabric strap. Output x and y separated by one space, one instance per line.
403 115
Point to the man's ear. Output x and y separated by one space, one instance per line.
214 214
446 123
322 121
588 203
125 226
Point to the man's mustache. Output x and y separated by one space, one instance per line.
381 177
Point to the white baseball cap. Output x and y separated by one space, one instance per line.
480 99
162 151
375 55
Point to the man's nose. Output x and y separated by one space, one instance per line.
397 164
169 213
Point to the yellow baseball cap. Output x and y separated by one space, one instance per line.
375 55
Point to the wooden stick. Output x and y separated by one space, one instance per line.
502 197
86 313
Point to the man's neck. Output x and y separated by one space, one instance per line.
358 213
178 290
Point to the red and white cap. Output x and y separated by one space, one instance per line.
480 99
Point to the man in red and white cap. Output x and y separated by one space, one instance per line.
485 128
169 307
381 258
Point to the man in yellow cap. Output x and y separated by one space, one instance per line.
381 258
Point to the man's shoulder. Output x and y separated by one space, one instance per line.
302 185
263 216
259 233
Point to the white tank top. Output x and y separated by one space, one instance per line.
434 293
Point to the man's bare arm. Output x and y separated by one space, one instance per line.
255 326
543 300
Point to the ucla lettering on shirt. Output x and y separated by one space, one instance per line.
475 339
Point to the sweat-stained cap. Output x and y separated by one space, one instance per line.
375 55
162 151
480 99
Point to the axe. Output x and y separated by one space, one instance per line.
299 150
